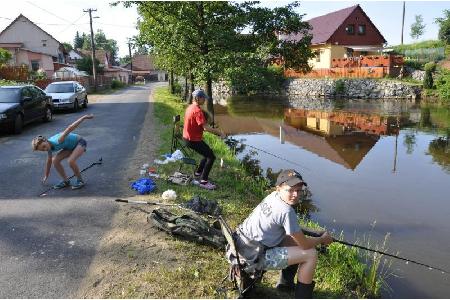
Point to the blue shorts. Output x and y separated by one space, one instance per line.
82 142
276 258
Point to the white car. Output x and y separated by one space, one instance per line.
67 95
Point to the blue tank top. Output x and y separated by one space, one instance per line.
69 143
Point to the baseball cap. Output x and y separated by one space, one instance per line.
290 177
199 93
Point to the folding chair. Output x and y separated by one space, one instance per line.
178 143
243 282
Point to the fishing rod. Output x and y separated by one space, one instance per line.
315 234
161 204
99 162
266 152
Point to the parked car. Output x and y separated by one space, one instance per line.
67 95
23 104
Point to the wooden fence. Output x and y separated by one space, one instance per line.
14 73
371 66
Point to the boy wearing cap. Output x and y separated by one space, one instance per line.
194 125
69 145
274 224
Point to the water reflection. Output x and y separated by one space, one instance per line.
364 161
342 132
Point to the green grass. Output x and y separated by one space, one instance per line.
420 45
200 269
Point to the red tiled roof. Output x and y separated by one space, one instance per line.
142 62
11 45
100 54
323 27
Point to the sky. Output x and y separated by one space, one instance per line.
63 18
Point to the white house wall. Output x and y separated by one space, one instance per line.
23 31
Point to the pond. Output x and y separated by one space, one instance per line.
373 168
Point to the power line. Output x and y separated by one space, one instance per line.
49 12
125 26
72 24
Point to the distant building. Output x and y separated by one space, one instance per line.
144 66
105 61
32 46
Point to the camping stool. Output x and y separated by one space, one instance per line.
178 143
242 281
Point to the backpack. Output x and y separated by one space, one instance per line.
187 226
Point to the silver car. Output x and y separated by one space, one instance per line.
67 95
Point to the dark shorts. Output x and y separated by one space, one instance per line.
82 142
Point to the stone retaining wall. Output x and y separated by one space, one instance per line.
351 88
329 88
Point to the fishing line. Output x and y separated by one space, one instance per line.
269 153
315 234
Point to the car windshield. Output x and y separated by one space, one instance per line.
60 88
9 95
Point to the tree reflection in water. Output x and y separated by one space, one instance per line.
439 149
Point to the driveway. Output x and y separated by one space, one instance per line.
47 243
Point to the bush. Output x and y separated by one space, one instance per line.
417 65
428 79
7 82
443 85
255 79
339 86
116 84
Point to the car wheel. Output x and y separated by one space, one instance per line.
85 103
48 114
18 124
75 106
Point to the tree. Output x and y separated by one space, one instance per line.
417 28
110 45
204 39
85 64
125 60
5 56
101 42
444 26
78 41
67 46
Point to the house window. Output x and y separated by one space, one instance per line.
317 53
34 65
350 29
361 29
44 43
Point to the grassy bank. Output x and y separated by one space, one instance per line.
199 269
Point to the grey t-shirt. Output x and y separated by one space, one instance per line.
270 221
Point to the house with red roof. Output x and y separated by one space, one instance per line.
105 61
30 45
143 65
345 38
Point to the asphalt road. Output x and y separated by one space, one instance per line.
47 243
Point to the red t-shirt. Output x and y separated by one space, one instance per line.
194 119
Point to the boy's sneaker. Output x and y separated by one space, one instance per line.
197 175
78 184
207 185
62 185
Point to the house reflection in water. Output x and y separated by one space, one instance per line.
344 137
340 136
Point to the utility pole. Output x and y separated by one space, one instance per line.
94 69
131 59
403 21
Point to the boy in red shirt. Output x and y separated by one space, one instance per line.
194 125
